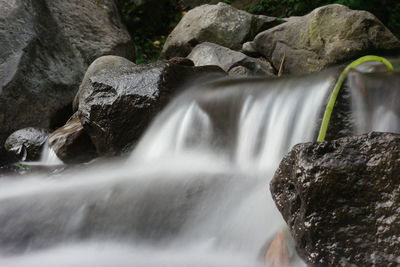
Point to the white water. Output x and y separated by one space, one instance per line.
49 157
375 102
193 193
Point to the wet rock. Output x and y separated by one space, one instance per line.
220 24
71 143
341 200
328 35
212 54
105 62
120 103
27 143
46 47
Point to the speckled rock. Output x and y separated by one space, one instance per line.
341 200
328 35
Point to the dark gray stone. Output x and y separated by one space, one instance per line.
341 200
105 62
46 47
120 103
26 144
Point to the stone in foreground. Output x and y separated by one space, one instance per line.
101 63
119 103
341 200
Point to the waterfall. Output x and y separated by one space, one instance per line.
375 102
49 157
193 193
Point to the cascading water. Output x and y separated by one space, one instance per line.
193 193
49 157
376 102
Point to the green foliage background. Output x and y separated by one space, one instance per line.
149 23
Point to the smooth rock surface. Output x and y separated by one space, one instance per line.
212 54
220 24
27 143
46 47
341 200
120 103
71 143
328 35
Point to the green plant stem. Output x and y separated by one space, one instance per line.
338 86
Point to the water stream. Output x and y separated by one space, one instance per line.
193 193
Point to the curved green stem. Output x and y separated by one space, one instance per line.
338 86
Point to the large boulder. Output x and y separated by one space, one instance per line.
27 143
98 65
71 143
328 35
221 24
119 103
212 54
46 47
341 200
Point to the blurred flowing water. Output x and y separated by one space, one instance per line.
193 193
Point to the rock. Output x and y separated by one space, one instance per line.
239 71
181 61
328 35
27 143
248 49
240 4
94 28
341 200
120 103
46 47
212 54
99 64
221 24
71 143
